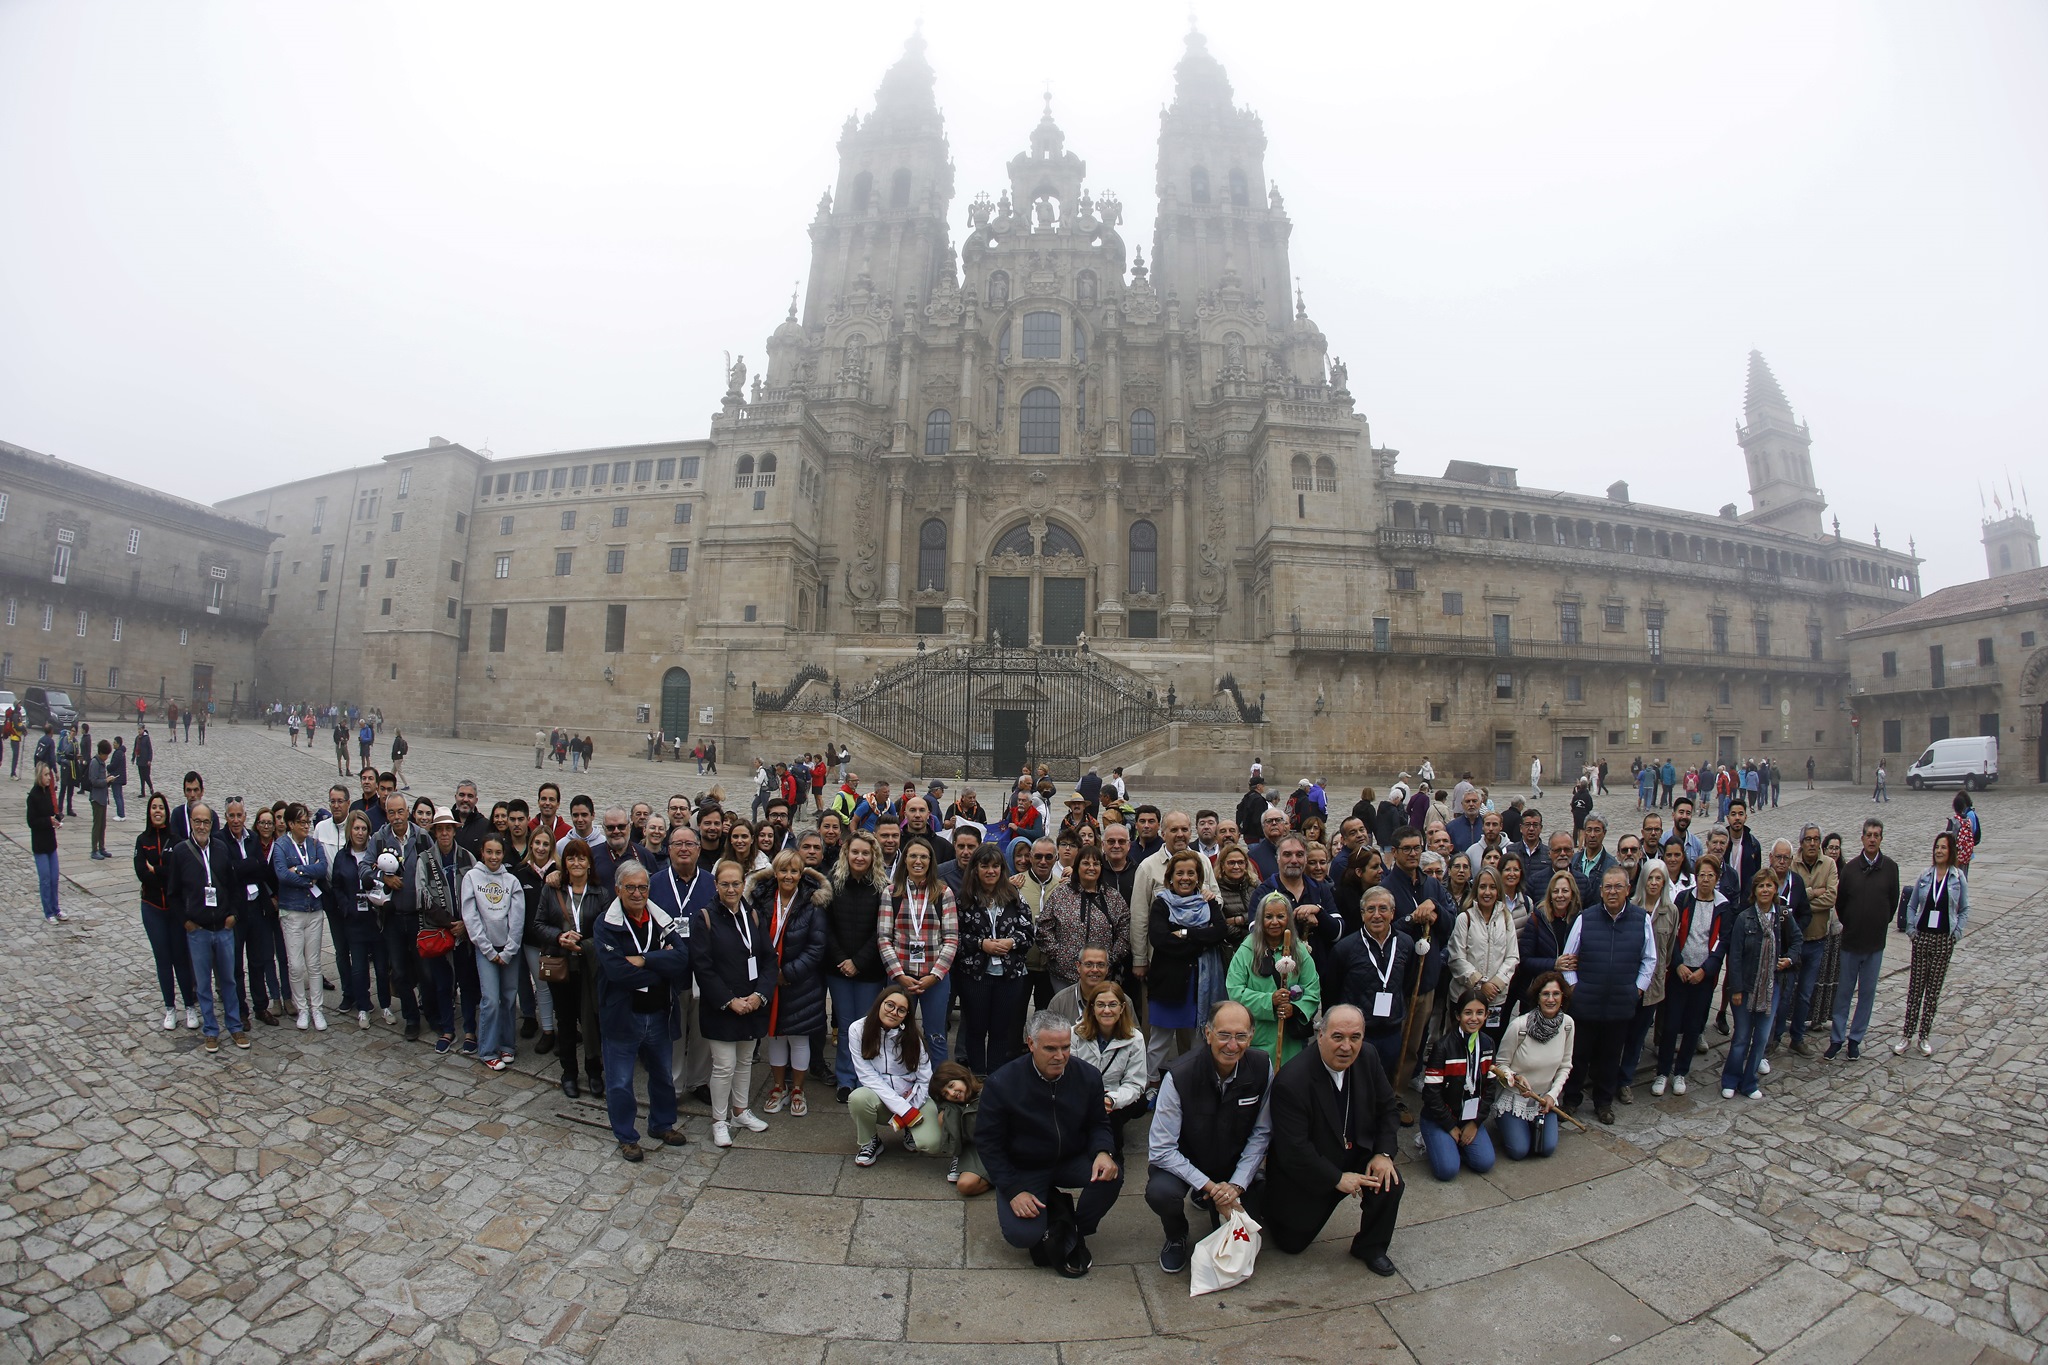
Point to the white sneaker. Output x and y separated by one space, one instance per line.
1763 1066
721 1135
191 1017
389 1017
1926 1048
1657 1086
1757 1093
319 1021
1727 1092
747 1119
1899 1048
1678 1085
362 1019
304 1019
170 1020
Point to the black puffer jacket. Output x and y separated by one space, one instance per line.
850 930
798 1007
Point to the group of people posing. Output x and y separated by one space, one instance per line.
1271 1005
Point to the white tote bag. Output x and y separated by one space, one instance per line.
1225 1257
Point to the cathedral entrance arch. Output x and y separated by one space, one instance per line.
1037 586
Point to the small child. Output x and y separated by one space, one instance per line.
959 1096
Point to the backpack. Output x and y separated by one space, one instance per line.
1965 839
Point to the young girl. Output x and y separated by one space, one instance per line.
494 914
1457 1090
959 1096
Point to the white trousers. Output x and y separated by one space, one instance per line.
304 933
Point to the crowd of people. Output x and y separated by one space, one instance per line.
1271 1002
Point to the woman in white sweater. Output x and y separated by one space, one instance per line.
1532 1062
1484 949
1108 1040
894 1067
494 914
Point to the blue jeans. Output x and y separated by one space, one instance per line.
1745 1049
1799 1002
46 882
366 949
851 1000
1858 977
498 1012
120 806
173 955
647 1042
454 977
213 967
1522 1138
931 1017
1388 1046
1446 1156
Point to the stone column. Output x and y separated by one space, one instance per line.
1178 613
892 564
901 443
956 566
963 420
1109 611
1112 388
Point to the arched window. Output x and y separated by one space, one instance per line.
938 432
1298 471
1240 192
1038 423
1326 474
1144 575
743 472
931 556
1016 541
1060 541
899 190
1144 433
768 464
1198 185
863 190
1041 336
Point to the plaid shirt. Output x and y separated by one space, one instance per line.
895 933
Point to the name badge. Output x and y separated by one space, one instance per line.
753 969
251 890
1382 1004
1471 1111
316 892
683 928
917 964
1934 919
212 898
1249 1099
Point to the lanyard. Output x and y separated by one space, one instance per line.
642 947
576 908
1393 951
744 922
682 905
206 862
781 916
920 901
1472 1066
298 854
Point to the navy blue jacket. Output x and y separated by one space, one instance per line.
189 875
1028 1124
1409 894
668 963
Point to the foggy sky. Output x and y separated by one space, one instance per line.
245 242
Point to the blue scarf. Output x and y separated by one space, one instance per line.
1186 912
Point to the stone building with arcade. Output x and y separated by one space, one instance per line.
1033 492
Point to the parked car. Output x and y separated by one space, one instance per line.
7 701
48 706
1969 761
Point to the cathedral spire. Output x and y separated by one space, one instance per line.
1763 392
906 88
1200 78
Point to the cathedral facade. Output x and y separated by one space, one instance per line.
1031 473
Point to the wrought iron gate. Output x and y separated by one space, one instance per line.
966 704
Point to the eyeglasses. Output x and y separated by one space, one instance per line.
614 829
1231 1037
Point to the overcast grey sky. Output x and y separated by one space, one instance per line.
242 242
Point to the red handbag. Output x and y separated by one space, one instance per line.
436 942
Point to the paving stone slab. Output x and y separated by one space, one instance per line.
1495 1238
638 1339
1578 1159
1558 1310
1786 1303
791 1172
1323 1279
750 1294
909 1232
776 1227
936 1353
1024 1305
1685 1263
898 1176
1690 1343
1352 1335
1917 1341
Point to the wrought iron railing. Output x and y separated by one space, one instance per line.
780 701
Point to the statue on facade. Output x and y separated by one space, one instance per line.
1041 209
736 378
998 288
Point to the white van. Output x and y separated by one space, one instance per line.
1970 762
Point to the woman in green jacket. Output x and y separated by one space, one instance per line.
1274 977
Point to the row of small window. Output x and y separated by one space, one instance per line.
557 636
685 514
1660 692
1987 657
614 562
50 618
1570 622
686 467
1038 427
43 672
1938 727
1042 339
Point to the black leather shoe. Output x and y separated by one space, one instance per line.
528 1027
845 1094
546 1043
570 1088
1375 1261
412 1031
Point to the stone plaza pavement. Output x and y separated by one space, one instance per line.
351 1196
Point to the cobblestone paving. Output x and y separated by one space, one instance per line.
351 1196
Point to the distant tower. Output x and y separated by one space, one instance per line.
2010 543
1782 493
1216 211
